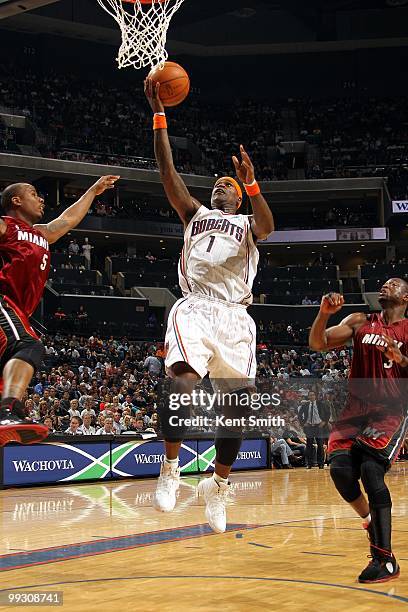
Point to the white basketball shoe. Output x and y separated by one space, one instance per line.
215 496
167 486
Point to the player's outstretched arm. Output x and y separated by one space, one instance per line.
262 223
177 193
323 339
71 217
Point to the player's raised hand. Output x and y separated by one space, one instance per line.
331 303
390 349
152 93
104 183
244 168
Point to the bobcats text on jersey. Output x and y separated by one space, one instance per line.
219 257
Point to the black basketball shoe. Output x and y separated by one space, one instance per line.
382 568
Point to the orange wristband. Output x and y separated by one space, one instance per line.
159 122
253 189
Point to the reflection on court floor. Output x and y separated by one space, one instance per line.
291 541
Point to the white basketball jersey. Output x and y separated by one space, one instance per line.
219 258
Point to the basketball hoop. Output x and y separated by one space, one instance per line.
143 25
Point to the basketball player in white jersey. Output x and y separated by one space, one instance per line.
209 329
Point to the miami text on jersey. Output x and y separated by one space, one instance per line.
28 236
376 340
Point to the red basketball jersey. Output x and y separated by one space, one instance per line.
25 265
370 363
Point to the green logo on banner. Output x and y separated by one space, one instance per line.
96 470
206 459
99 467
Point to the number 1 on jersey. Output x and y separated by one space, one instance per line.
210 246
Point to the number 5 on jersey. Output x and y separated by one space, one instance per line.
44 262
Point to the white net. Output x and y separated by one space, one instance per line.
144 30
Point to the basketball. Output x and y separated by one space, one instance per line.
174 83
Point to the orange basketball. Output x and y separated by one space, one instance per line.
174 83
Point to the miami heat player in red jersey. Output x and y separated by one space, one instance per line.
371 429
23 250
25 264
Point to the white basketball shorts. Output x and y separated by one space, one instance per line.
213 337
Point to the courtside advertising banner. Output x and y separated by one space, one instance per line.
399 207
55 462
144 458
252 456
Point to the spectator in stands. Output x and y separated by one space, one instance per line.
88 409
152 364
107 428
30 411
117 424
82 314
49 423
100 421
73 408
82 317
61 413
128 403
86 428
50 350
74 427
87 253
138 424
319 261
280 448
154 421
116 405
126 422
296 443
60 314
73 247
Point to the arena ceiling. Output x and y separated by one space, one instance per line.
208 22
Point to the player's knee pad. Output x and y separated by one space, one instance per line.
227 449
345 478
229 435
173 425
372 477
234 411
32 353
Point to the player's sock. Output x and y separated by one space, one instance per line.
369 527
172 462
220 480
11 406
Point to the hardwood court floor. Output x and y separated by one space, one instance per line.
293 545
